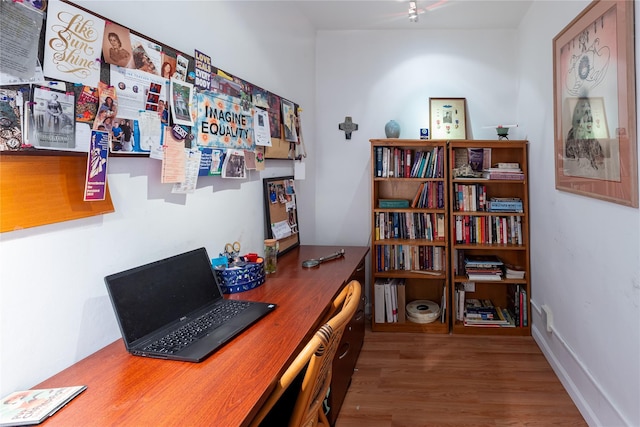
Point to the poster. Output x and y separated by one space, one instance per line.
73 44
221 122
203 70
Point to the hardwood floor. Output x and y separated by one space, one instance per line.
416 380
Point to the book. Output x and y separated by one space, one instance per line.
30 407
507 165
481 277
402 301
502 175
505 207
393 203
482 260
476 159
379 301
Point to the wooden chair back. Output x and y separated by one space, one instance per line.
317 356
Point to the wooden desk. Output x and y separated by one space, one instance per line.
228 388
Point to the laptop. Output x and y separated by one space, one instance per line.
155 303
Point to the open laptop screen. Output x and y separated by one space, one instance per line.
148 297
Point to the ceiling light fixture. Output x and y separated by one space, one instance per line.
413 11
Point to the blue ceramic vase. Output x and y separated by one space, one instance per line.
392 129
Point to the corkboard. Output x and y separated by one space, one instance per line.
279 149
277 211
45 189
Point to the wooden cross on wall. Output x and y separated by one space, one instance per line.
348 126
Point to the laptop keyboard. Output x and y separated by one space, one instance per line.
197 328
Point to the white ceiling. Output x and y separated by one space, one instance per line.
393 14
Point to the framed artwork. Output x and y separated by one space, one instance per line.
594 104
281 212
447 118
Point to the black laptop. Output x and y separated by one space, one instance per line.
174 308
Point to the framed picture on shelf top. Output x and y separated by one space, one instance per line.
595 105
448 118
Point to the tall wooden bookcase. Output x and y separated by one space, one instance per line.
401 249
410 243
475 231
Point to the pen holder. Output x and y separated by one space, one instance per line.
240 277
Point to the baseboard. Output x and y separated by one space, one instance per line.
582 387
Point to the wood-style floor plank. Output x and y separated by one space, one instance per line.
420 380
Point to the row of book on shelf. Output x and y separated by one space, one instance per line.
485 267
476 312
409 225
490 229
473 198
391 305
395 162
430 195
422 259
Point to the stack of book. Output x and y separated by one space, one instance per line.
482 313
513 271
483 267
506 171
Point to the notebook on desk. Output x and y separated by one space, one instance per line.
157 304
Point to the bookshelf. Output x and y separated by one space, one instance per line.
410 233
478 233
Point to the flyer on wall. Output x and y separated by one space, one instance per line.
53 119
96 183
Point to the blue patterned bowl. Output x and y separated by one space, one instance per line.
240 277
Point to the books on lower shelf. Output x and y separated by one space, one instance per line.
483 313
388 292
391 305
30 407
517 302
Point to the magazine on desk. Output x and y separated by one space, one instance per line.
31 407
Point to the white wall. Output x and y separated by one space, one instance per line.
54 309
585 252
376 76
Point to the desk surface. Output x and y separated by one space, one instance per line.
227 388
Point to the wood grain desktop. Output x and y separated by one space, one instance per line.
226 389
